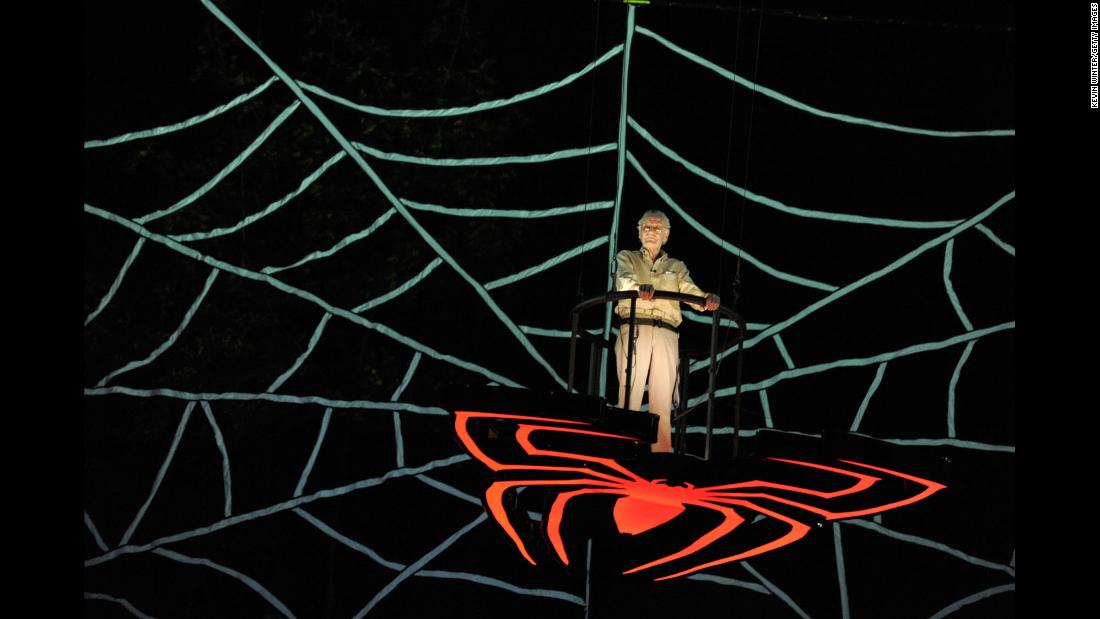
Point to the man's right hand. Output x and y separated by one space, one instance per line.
645 292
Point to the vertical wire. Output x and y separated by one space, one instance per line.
741 226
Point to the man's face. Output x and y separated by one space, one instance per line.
653 233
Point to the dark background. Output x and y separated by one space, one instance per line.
936 66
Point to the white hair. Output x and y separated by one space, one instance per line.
655 213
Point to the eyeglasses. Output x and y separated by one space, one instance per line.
656 229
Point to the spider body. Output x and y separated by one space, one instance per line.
649 504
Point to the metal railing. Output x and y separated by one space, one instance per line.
596 342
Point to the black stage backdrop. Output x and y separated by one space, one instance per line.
272 346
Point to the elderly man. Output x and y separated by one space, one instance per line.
656 339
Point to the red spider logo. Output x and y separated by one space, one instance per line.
644 504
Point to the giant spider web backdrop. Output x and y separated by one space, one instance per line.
307 227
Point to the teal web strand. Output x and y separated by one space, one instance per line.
190 122
838 550
558 332
274 509
271 208
393 565
313 339
448 489
712 237
118 281
524 214
171 338
867 397
400 290
996 240
510 213
313 454
934 545
620 147
348 240
949 442
160 473
227 480
397 437
767 409
750 432
394 201
724 322
733 582
783 351
874 275
95 532
347 541
226 171
776 591
268 397
768 92
123 601
947 256
248 581
588 578
421 562
566 153
467 109
547 264
905 442
407 379
970 599
225 266
776 204
540 331
620 173
857 362
951 388
500 584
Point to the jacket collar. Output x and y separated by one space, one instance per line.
645 256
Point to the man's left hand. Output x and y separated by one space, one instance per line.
712 302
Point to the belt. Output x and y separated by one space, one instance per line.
653 322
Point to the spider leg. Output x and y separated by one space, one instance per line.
727 496
731 521
523 439
798 530
930 487
462 420
557 510
494 498
861 483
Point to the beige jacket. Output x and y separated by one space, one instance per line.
634 268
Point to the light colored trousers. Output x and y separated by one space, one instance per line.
656 356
